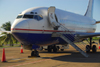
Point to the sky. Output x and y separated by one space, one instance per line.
9 9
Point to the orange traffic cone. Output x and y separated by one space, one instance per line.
3 56
21 49
99 43
99 46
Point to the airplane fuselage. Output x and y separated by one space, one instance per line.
32 25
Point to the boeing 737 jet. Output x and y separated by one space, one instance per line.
40 26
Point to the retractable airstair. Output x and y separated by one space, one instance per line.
67 36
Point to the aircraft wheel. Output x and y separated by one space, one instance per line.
94 49
87 49
49 48
35 53
62 49
41 48
32 53
57 47
54 48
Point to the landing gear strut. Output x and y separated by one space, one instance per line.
88 48
54 48
94 48
35 53
50 48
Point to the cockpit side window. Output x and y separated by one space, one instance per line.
38 17
19 16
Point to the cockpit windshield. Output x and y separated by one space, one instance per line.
28 16
19 16
36 17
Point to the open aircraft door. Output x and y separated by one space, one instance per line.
52 18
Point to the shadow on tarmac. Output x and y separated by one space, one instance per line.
58 52
77 57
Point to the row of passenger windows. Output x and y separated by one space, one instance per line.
37 17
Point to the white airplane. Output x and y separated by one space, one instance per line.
41 26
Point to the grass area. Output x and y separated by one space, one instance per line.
14 45
9 46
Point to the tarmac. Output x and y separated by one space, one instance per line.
68 58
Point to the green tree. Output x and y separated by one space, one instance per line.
7 38
6 26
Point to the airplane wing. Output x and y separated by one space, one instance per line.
87 35
5 31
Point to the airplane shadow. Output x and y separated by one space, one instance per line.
58 52
77 57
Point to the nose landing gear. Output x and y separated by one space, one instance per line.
35 53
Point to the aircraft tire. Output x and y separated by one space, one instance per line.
54 49
41 48
49 48
58 48
62 49
87 49
94 49
32 53
35 53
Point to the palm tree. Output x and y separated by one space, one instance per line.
6 26
7 38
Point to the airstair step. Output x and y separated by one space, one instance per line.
76 47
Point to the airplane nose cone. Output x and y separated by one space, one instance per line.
19 29
19 24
